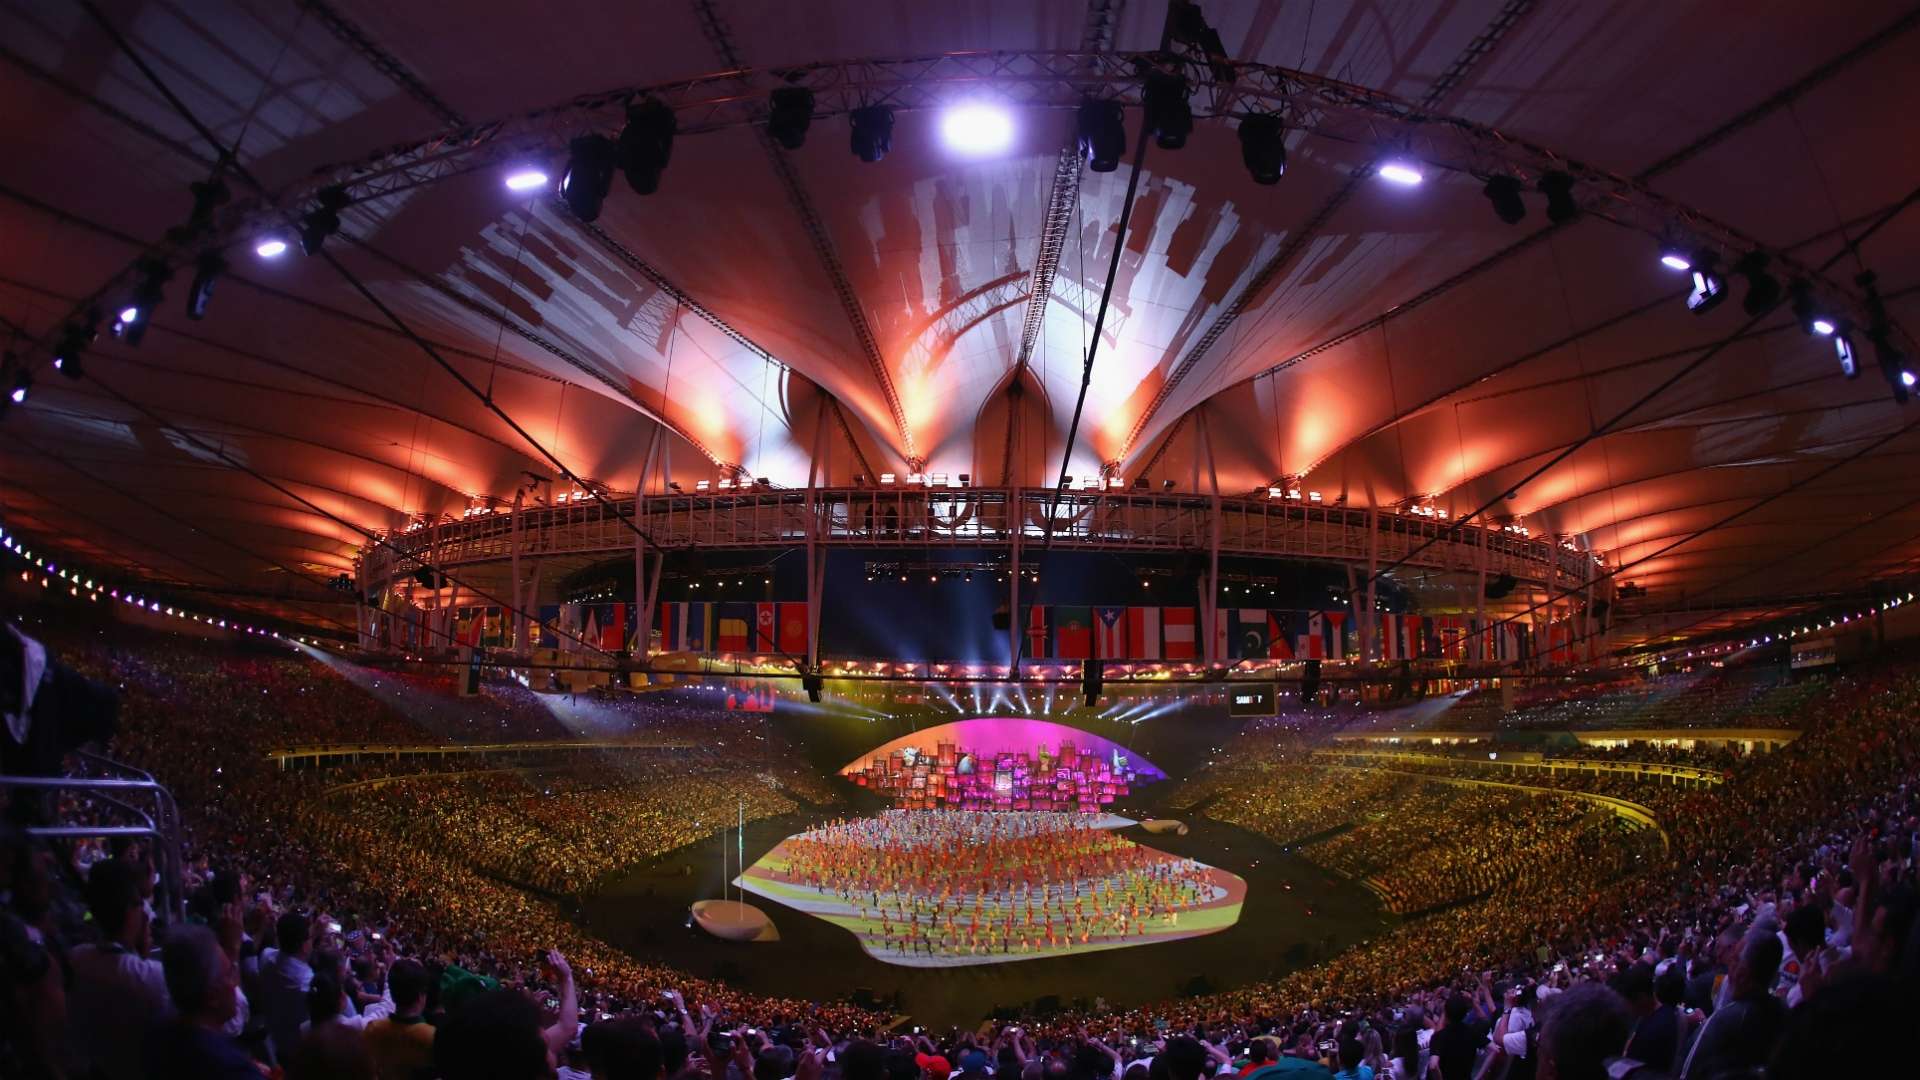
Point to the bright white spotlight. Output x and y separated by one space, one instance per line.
977 129
1675 259
271 248
1907 378
1823 326
526 180
1401 173
129 314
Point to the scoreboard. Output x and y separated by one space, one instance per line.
1253 700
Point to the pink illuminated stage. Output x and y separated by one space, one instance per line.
1002 763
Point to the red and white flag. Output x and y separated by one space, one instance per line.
1143 633
764 639
1177 622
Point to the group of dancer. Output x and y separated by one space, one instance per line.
955 883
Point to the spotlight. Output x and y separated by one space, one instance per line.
1504 193
1401 172
22 384
1102 134
789 114
205 271
526 180
976 129
148 295
1673 258
646 143
323 220
590 162
1843 350
270 247
1263 147
872 132
1709 288
74 339
1806 312
1168 115
1558 188
1763 289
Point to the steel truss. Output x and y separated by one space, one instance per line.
1322 107
917 517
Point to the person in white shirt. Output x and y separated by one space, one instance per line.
119 994
283 982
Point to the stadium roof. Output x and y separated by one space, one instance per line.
1386 342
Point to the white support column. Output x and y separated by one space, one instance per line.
1016 531
1372 622
1212 601
519 622
645 585
816 552
529 603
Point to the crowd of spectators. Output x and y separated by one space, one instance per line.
1775 932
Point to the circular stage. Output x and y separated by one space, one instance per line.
731 920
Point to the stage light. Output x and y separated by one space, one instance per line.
271 247
1263 148
1893 364
1674 259
1102 134
129 314
590 163
1504 193
1401 172
1823 326
1558 188
789 114
646 144
871 132
526 180
323 220
886 478
207 269
976 129
22 385
1763 289
1709 288
1843 351
73 341
1168 114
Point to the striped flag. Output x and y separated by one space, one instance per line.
733 627
1143 633
1037 632
696 626
1336 634
1110 633
1250 633
1177 624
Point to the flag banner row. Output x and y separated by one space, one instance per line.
1073 632
733 627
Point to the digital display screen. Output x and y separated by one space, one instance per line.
1251 700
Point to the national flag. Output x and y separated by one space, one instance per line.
1037 632
1110 633
733 627
493 627
765 639
1073 632
1143 633
613 627
1176 624
793 628
1250 633
696 627
591 634
1392 643
1336 634
1313 643
545 637
1279 635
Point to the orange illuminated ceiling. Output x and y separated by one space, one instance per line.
1386 343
